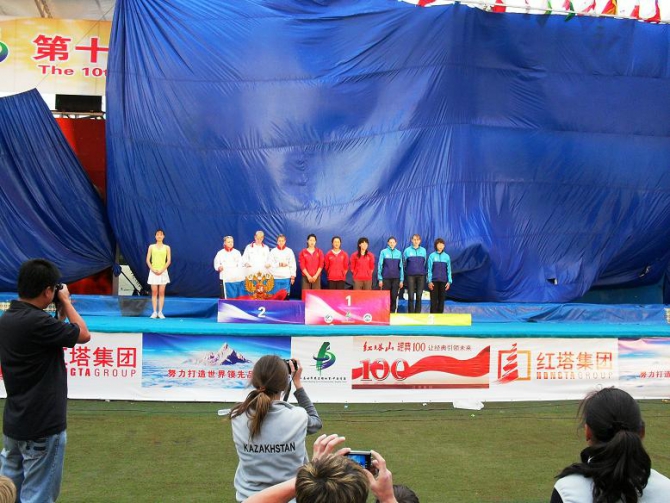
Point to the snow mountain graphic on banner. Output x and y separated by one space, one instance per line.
224 356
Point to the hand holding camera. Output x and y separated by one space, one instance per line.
61 296
295 371
57 295
380 477
292 364
326 444
381 483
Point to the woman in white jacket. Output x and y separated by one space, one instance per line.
614 467
228 263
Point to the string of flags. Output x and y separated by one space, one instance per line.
650 11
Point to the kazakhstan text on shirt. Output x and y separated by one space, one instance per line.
270 448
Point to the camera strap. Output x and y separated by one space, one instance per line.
287 394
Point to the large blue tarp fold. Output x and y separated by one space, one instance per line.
538 148
48 206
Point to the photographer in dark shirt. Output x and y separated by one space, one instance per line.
33 368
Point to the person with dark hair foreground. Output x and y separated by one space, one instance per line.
332 478
615 466
269 433
403 494
33 369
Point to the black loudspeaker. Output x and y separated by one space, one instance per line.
73 103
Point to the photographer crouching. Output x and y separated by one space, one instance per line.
269 433
33 368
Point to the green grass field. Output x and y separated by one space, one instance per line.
183 452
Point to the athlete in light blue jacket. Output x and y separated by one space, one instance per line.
390 271
439 276
415 273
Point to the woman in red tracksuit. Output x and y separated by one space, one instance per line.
362 266
311 264
337 265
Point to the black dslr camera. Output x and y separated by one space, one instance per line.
288 364
57 288
288 361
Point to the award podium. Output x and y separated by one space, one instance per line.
261 311
347 307
428 319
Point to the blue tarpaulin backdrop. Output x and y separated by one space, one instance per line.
538 148
48 206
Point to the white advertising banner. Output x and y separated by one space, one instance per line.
342 369
109 367
644 367
444 369
550 369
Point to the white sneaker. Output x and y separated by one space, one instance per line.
161 315
154 315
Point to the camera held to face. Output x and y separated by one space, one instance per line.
288 364
57 288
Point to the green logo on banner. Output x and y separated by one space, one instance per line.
325 358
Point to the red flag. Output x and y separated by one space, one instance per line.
499 6
635 13
656 18
590 8
423 3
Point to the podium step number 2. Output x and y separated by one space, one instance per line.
261 311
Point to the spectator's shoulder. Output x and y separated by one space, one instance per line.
658 481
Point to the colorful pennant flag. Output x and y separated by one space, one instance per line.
591 7
650 12
569 8
635 13
610 8
499 6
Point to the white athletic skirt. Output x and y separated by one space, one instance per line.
155 279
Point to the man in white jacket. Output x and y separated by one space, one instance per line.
256 256
228 263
